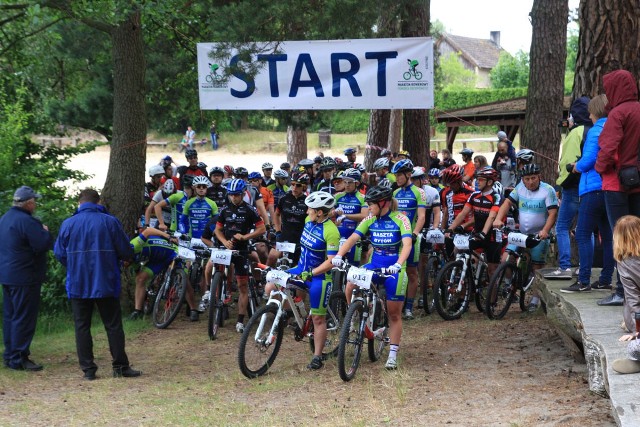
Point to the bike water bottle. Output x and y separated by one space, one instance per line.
299 303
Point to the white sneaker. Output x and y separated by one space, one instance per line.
560 274
239 328
391 364
408 315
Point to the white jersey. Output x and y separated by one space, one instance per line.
533 206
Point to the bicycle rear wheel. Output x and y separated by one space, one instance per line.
480 292
451 303
351 339
336 310
430 274
526 293
258 351
216 305
254 299
170 299
376 346
501 290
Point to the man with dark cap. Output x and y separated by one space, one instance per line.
23 264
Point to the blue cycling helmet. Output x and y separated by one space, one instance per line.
434 173
352 174
254 175
349 151
236 186
404 165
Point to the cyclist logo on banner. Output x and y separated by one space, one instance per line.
413 63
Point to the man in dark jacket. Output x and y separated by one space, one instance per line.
23 267
619 149
91 245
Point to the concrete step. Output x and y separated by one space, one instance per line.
592 332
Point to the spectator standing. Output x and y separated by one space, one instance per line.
90 245
511 151
23 264
214 135
447 160
503 163
434 161
570 152
618 150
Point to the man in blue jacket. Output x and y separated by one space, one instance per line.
23 267
91 245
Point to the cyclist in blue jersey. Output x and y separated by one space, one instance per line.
412 202
153 252
351 209
179 220
280 187
200 209
390 233
320 240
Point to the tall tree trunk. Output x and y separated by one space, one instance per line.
296 145
609 40
124 188
415 133
546 83
395 131
377 136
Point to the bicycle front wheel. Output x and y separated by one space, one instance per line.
336 310
170 299
216 305
430 274
480 291
501 290
453 290
351 339
258 350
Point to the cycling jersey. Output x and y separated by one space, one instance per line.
391 177
266 182
209 230
179 220
267 196
350 203
149 192
433 201
533 206
278 192
251 194
156 251
199 211
410 198
166 210
234 219
481 204
325 185
455 201
218 194
293 213
188 170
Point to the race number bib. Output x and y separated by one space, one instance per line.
197 243
361 277
186 253
435 236
461 241
221 256
286 247
517 239
278 278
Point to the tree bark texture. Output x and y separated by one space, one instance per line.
546 83
609 40
415 133
296 145
377 136
395 131
124 188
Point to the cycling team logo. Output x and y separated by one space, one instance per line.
214 78
213 75
412 72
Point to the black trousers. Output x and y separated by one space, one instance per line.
19 315
111 315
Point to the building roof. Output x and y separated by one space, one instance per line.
483 53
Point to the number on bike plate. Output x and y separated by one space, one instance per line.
360 276
197 244
461 241
435 236
517 239
221 256
286 247
278 278
186 253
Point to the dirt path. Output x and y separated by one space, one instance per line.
471 372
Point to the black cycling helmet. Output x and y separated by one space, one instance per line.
285 166
190 152
317 159
187 180
300 177
241 172
216 170
378 193
306 163
530 169
327 163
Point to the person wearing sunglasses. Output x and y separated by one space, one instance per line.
350 210
194 168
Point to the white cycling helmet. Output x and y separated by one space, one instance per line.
168 187
319 200
200 180
525 155
156 170
281 174
267 166
418 172
382 162
498 188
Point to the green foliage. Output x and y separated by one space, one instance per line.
454 75
572 55
511 71
44 169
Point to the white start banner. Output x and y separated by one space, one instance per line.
317 75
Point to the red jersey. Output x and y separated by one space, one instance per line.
454 203
481 204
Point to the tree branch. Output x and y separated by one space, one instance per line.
26 36
13 6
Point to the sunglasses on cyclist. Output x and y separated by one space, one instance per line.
201 186
296 184
192 157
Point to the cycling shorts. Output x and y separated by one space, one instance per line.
239 262
395 286
538 254
153 268
319 291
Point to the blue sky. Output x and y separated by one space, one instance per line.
473 18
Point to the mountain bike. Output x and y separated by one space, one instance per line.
366 318
262 336
461 279
513 275
339 275
437 256
171 295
